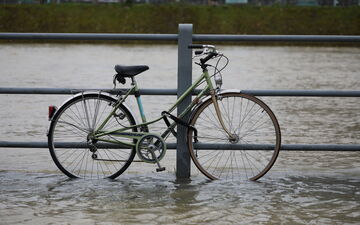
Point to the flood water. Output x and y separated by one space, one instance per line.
302 188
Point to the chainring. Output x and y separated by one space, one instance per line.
151 148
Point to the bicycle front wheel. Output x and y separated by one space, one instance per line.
70 141
249 152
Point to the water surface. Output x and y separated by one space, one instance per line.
302 188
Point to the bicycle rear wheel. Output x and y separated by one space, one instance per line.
69 138
255 131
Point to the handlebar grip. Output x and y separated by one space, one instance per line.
198 52
195 46
208 57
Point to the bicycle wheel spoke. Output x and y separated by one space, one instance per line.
214 123
77 116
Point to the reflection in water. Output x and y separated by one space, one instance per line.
301 188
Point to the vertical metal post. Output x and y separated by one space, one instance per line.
184 81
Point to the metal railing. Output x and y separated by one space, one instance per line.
270 93
184 38
175 37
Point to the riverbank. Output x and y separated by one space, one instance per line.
148 18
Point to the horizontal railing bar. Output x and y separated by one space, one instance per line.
280 93
174 37
303 93
286 147
277 38
70 91
89 36
321 147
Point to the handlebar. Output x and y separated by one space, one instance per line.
195 46
209 50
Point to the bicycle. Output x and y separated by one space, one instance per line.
94 135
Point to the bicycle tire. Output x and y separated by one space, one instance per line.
72 124
254 124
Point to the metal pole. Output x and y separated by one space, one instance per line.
184 81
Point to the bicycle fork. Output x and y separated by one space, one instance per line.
233 138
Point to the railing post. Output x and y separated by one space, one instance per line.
184 81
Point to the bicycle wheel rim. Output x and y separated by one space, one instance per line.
69 138
258 135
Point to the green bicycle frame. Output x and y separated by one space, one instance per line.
125 133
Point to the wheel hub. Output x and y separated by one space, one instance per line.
234 138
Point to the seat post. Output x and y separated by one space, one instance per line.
133 81
138 99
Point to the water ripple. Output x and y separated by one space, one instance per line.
137 199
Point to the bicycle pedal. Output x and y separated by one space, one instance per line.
160 169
